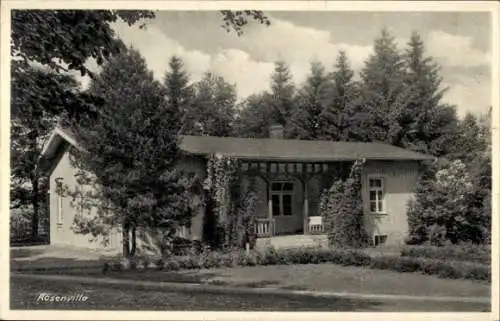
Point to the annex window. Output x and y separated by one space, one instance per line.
59 200
281 198
376 190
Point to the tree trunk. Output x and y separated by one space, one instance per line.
36 209
126 240
134 242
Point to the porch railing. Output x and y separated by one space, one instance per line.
316 225
265 227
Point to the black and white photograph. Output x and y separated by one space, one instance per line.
215 157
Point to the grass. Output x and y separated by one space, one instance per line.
105 297
314 277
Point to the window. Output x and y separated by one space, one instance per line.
59 210
281 198
59 200
376 190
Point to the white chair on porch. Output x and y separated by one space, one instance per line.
316 224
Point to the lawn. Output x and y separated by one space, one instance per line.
115 297
314 277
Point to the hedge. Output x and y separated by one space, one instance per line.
213 259
470 253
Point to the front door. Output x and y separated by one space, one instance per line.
282 199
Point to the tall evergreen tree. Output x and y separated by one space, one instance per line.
383 92
260 111
213 109
342 118
305 119
254 117
179 93
281 94
131 150
428 125
469 141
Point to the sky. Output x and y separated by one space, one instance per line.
460 43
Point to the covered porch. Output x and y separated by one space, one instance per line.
289 194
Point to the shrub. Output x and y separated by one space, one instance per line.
443 269
342 209
444 209
271 256
172 265
181 246
251 258
383 262
211 260
467 252
477 272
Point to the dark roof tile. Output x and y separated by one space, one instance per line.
297 150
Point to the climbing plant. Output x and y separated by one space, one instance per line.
342 209
230 203
221 190
241 227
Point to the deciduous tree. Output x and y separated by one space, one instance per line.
213 109
254 117
38 100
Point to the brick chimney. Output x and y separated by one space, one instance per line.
276 131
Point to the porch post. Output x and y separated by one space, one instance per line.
269 202
306 199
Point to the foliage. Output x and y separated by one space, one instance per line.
470 253
254 117
384 96
242 225
441 211
39 99
442 268
178 92
315 255
132 154
427 125
270 256
342 209
66 39
221 186
282 94
342 118
305 120
236 20
213 109
60 38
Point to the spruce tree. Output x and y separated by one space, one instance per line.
305 119
281 94
179 93
128 155
428 125
383 92
342 118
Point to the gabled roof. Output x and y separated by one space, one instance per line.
295 150
57 137
271 149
